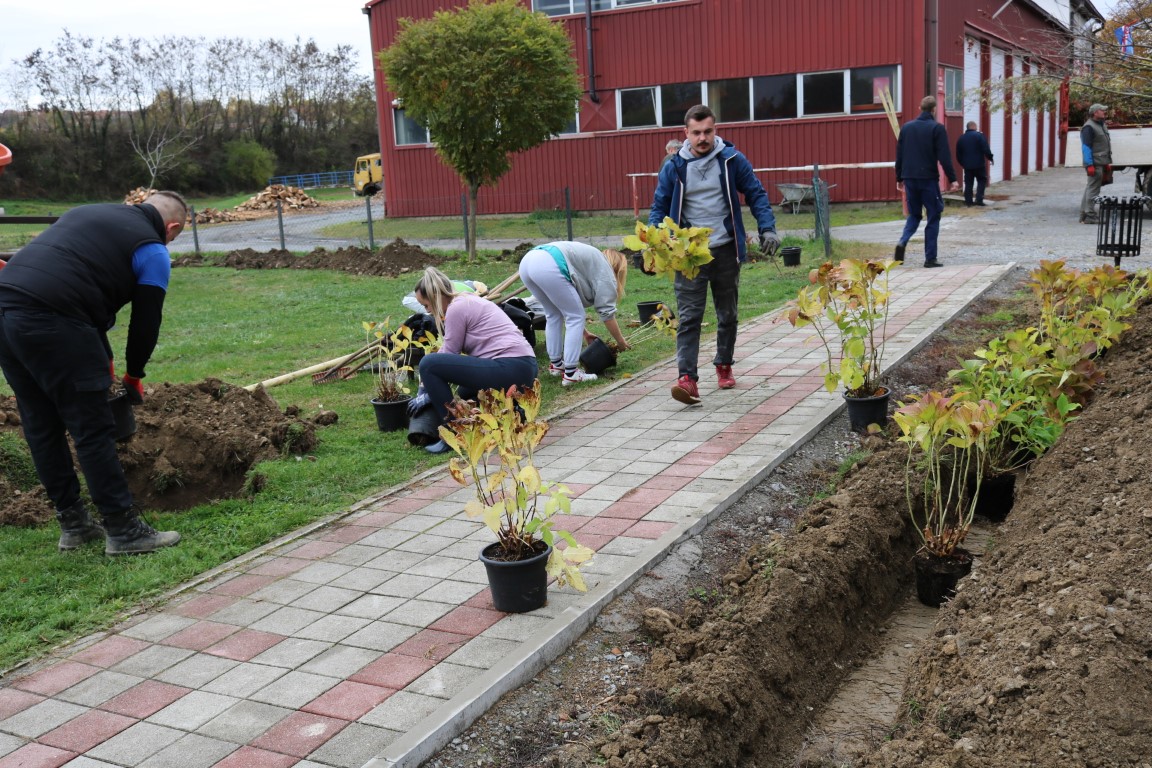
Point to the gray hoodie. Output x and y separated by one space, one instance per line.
704 203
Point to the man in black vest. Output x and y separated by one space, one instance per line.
59 295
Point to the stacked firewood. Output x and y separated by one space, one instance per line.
290 198
215 216
137 195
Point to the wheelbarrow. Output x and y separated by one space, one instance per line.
796 194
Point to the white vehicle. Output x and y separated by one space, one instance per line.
1131 148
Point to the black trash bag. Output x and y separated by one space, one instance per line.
517 310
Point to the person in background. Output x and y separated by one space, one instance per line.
59 295
482 349
1096 146
566 277
670 150
973 154
923 144
701 186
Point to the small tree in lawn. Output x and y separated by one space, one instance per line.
488 80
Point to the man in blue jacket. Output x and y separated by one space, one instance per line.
972 153
923 144
59 295
700 186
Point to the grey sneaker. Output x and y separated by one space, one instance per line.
133 536
77 527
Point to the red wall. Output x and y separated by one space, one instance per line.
691 41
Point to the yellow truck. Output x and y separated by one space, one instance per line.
368 176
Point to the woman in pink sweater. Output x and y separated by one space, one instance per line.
482 348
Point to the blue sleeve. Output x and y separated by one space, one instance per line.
152 265
662 199
1086 144
755 196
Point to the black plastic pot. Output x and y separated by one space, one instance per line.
997 495
937 577
123 415
391 416
790 256
648 310
863 411
518 586
424 427
597 357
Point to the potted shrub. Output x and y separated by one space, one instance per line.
847 306
667 248
387 360
947 438
494 440
600 355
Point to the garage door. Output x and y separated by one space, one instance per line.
996 122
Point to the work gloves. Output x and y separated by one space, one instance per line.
769 242
1091 170
134 389
419 403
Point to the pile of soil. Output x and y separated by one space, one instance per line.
194 443
396 258
726 654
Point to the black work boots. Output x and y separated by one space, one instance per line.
129 535
77 527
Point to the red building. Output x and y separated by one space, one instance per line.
792 84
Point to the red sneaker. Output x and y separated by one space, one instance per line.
686 391
724 377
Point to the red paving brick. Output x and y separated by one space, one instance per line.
348 534
648 529
278 566
300 733
482 599
393 671
203 606
56 678
111 650
628 510
666 482
316 550
36 756
86 731
646 494
244 585
607 526
13 701
244 645
147 698
466 620
432 644
200 635
378 519
251 757
348 700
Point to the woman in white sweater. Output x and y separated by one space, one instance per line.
567 277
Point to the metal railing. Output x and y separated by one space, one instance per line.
315 180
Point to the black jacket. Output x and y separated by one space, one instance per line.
972 150
922 144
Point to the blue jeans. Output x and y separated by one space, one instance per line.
58 369
723 275
923 193
440 370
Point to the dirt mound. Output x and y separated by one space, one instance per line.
193 443
396 258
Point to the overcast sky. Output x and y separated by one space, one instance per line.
26 25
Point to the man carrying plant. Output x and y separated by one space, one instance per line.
59 295
700 186
922 146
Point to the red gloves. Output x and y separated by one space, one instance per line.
1091 170
134 388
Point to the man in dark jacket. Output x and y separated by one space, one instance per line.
923 144
972 151
701 186
59 295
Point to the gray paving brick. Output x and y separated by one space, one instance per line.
402 710
40 718
156 628
387 538
362 579
99 688
452 592
243 613
196 671
444 680
136 744
294 689
10 743
483 652
192 751
395 561
321 572
438 567
86 762
244 722
354 746
341 661
152 661
291 653
457 529
405 585
418 613
332 628
381 636
425 544
371 606
244 679
355 554
416 523
283 591
326 599
287 620
516 626
192 711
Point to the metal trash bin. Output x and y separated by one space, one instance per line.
1119 228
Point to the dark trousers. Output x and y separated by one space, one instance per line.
978 175
440 370
923 194
58 369
722 274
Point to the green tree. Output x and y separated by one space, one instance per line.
248 164
488 80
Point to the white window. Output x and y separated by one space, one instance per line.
565 7
953 90
655 106
408 131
